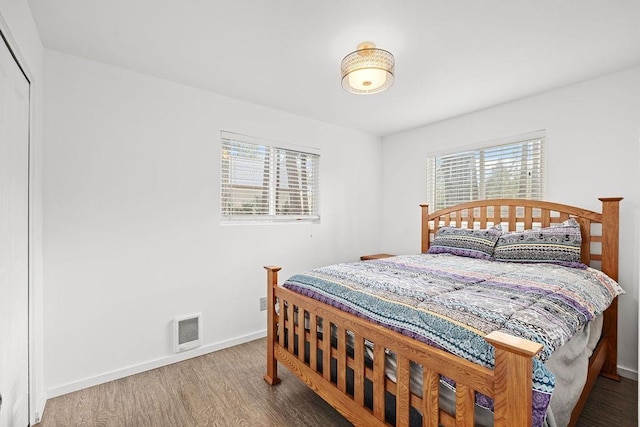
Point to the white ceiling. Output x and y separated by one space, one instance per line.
452 57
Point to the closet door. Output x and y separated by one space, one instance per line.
14 238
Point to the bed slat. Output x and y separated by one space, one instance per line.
585 248
465 400
528 215
378 381
430 401
300 334
512 217
402 390
313 341
290 327
341 335
358 370
326 349
281 332
483 217
546 217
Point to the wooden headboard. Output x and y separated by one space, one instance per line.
599 230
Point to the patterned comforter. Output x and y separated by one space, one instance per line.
452 302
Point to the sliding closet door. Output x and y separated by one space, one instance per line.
14 238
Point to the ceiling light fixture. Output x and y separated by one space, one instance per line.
367 70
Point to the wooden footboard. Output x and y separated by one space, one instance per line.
308 353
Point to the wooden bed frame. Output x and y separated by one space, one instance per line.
510 383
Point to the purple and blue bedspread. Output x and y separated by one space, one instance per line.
452 302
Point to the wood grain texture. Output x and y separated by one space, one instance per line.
342 359
512 398
271 375
430 402
597 360
424 230
358 370
464 406
402 392
224 388
378 381
513 344
611 403
289 326
358 415
326 352
313 340
374 256
557 207
218 389
300 334
610 233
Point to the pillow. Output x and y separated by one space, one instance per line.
465 242
559 245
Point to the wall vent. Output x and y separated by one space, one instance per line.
187 332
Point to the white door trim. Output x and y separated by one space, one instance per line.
35 408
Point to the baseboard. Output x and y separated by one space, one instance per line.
628 373
157 363
39 411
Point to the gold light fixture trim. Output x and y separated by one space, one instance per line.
368 69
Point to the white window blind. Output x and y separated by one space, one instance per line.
264 180
511 170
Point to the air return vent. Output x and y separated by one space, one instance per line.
187 332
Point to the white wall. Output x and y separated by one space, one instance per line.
18 27
132 218
592 130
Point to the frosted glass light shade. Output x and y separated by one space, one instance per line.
367 79
367 70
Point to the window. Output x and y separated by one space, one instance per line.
264 180
513 169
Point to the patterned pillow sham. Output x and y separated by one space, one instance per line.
465 242
558 245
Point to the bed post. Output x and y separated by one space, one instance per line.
610 244
272 364
513 396
425 228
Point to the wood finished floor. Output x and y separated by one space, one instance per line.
225 388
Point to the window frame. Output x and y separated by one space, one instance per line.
483 147
275 149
